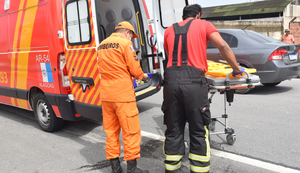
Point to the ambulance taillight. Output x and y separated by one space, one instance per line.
156 62
63 73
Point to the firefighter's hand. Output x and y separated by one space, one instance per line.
234 74
134 83
145 76
149 75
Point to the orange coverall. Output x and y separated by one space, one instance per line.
118 63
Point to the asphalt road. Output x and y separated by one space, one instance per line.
265 123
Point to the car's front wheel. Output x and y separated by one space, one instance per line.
271 84
45 115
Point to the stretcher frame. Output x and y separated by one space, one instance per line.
227 86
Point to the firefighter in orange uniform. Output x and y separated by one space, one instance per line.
118 64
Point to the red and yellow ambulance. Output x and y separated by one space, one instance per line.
48 55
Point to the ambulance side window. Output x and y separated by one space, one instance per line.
171 11
6 5
78 22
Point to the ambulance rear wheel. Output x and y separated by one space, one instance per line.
45 115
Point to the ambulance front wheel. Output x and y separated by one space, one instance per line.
45 115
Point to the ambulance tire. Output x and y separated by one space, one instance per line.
45 115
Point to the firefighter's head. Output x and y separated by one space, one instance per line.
193 10
126 30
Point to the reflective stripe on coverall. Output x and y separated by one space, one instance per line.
185 100
118 63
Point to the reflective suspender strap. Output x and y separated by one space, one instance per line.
184 49
181 30
175 51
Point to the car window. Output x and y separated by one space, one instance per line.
231 40
234 42
210 45
260 37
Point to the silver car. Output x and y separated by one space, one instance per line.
274 60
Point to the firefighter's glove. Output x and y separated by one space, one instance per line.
149 75
234 74
134 83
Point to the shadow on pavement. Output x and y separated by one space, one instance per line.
145 106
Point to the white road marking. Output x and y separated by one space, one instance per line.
234 157
257 163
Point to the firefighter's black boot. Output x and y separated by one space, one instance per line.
115 165
132 168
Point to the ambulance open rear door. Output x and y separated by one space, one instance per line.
165 13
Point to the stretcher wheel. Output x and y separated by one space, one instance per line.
212 125
231 138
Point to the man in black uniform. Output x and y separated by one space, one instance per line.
185 89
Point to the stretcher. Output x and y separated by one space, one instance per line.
227 86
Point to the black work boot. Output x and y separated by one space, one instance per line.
132 168
115 165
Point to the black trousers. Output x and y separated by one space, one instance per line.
185 96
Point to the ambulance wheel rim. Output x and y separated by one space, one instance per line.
43 113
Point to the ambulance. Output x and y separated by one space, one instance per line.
48 60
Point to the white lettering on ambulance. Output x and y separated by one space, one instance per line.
42 58
47 85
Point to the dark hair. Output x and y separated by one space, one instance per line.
191 11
